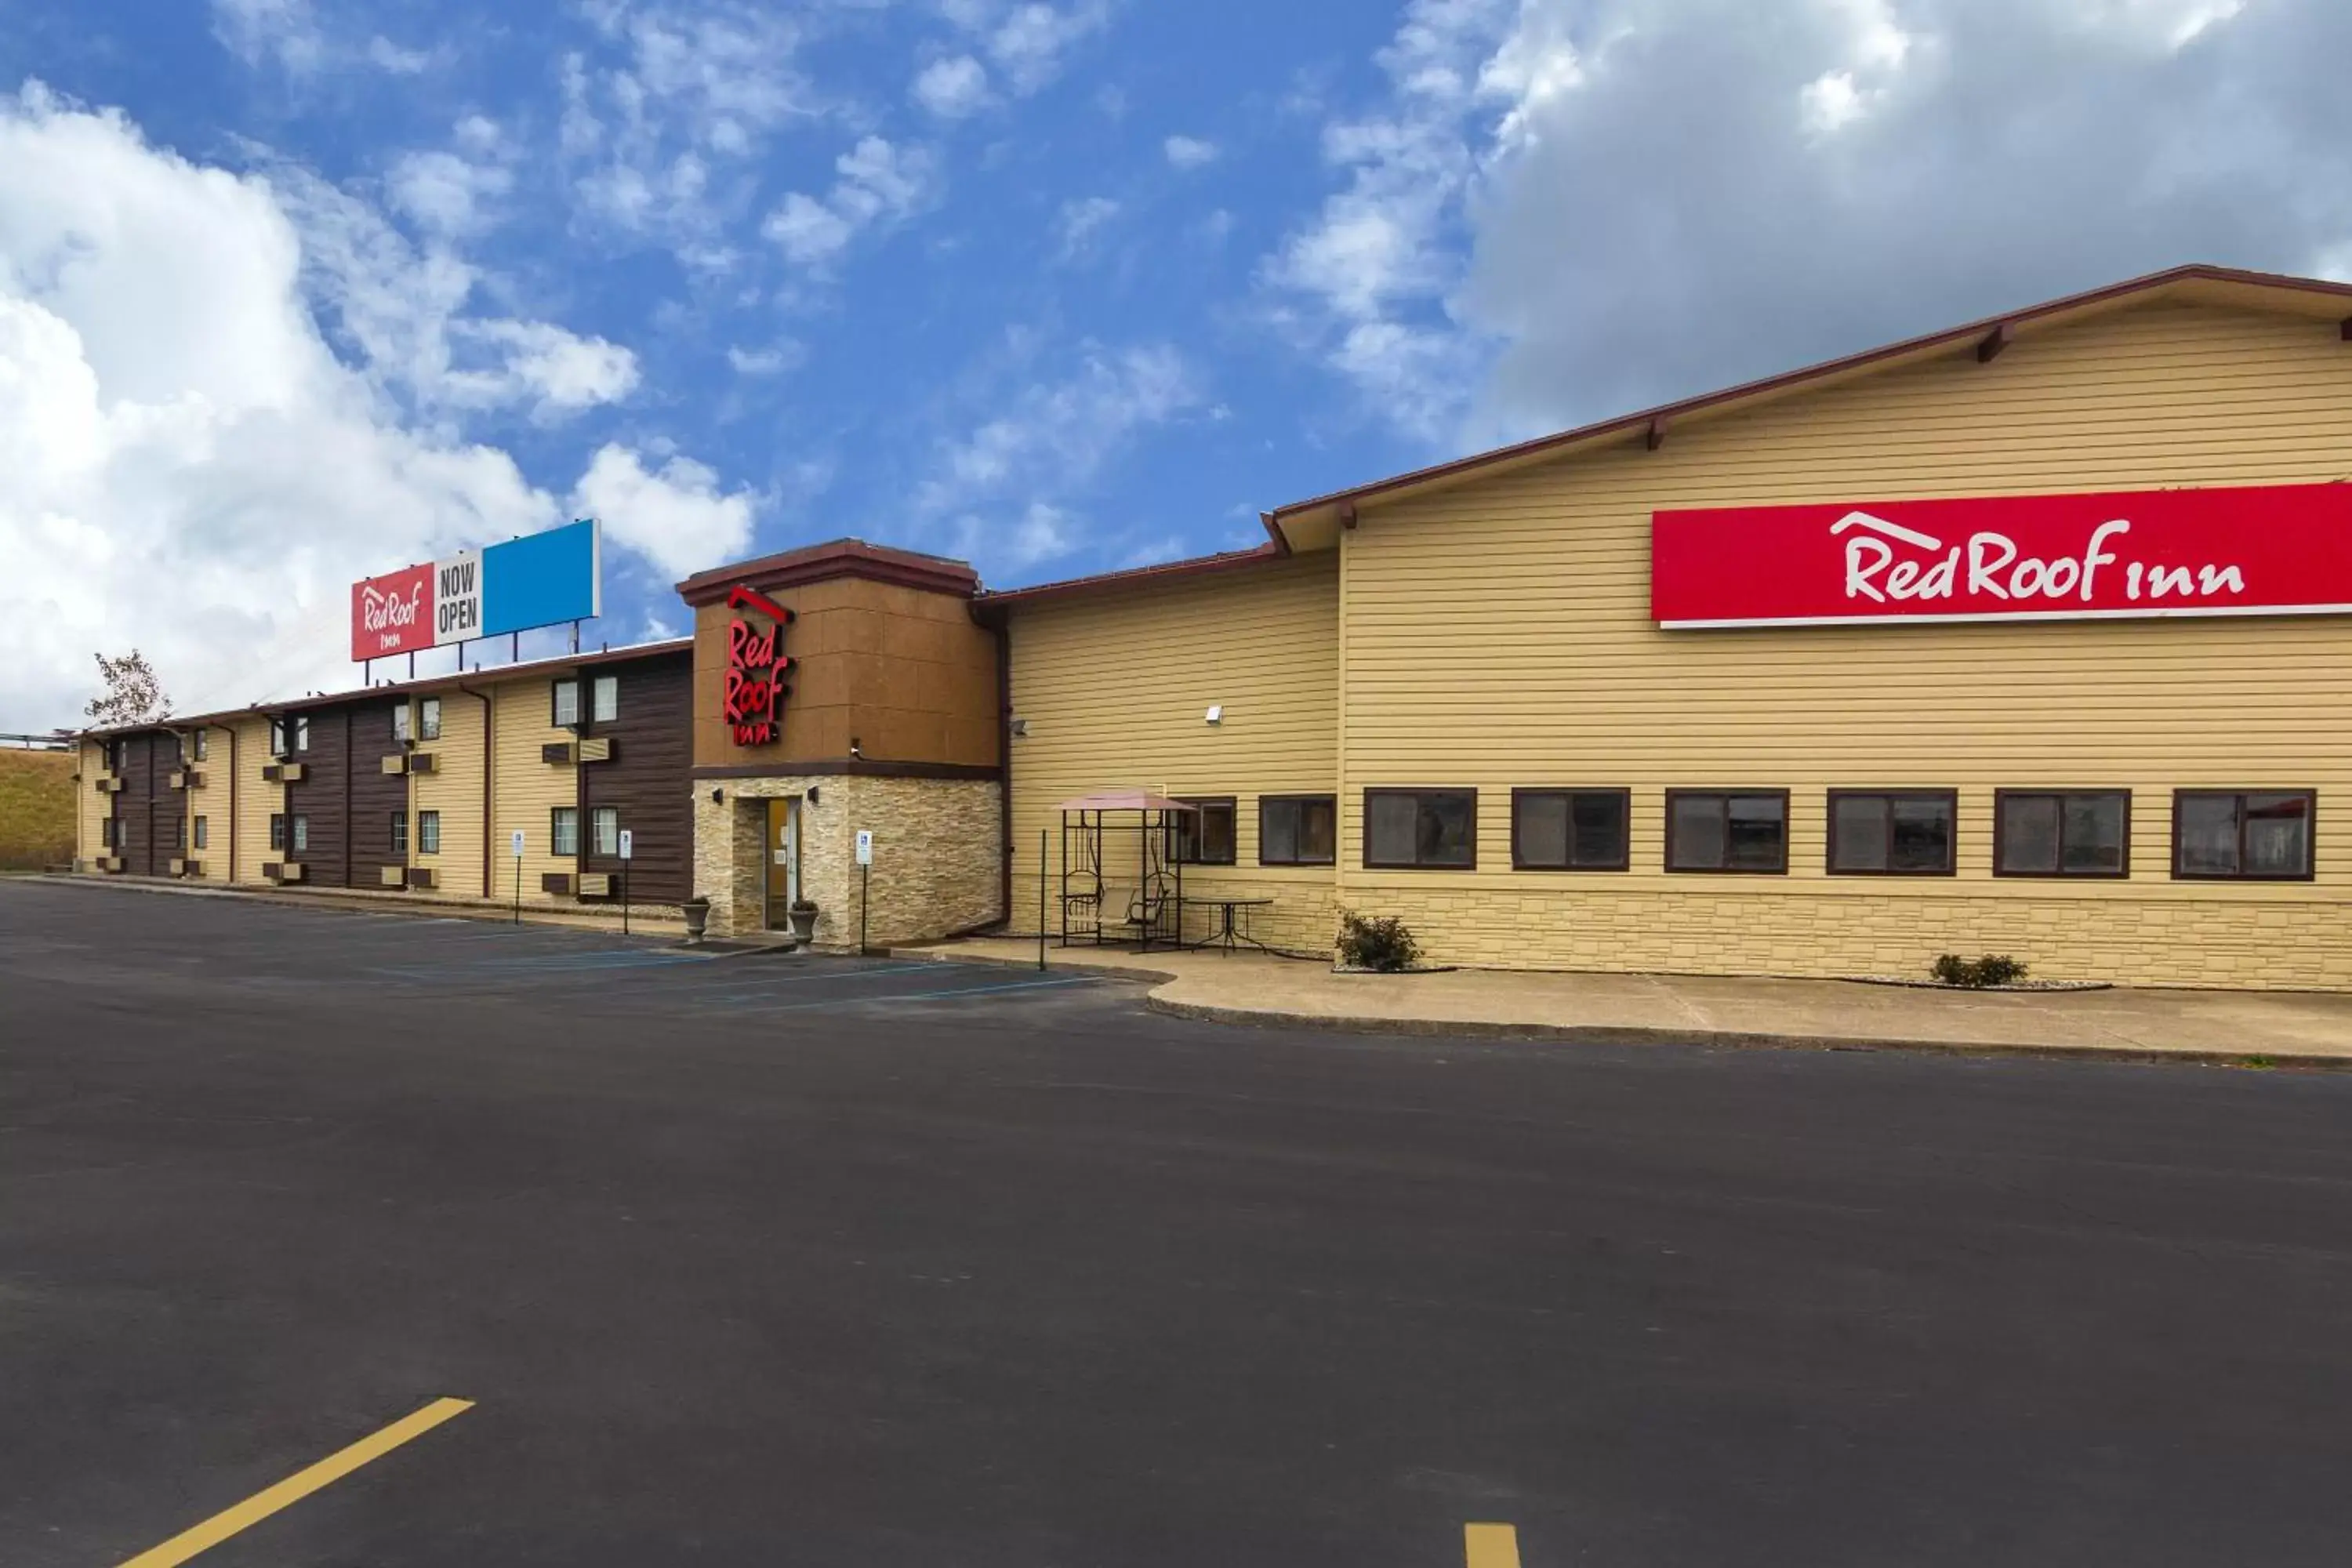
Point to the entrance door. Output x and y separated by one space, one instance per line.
784 848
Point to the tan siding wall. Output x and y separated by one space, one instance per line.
454 790
90 808
1114 689
255 800
209 800
1499 634
526 789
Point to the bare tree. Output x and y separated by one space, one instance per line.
132 695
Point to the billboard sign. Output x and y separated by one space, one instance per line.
539 580
2266 549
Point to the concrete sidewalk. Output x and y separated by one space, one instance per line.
2310 1029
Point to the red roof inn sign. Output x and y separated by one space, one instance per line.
2271 550
754 686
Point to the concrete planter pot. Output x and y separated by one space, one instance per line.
803 917
697 919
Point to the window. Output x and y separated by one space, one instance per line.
2062 833
399 833
605 822
428 832
278 830
1904 833
566 704
204 834
1204 836
607 705
1726 830
2257 837
302 734
1432 828
428 719
1297 829
400 730
278 747
204 745
1570 830
301 834
563 829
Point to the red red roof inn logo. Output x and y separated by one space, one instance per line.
393 613
754 685
2265 550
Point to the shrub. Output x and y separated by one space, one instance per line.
1975 973
1378 942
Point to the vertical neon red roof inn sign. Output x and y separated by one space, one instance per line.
2267 550
539 580
753 687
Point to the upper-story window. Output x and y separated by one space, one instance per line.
607 706
201 745
565 704
428 719
401 731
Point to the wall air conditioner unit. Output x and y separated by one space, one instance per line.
396 763
283 870
293 772
556 883
424 763
192 868
597 749
179 868
393 876
110 785
273 773
110 862
424 877
595 884
557 753
186 778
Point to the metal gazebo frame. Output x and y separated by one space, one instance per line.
1156 909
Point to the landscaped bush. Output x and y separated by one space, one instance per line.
1378 942
1992 969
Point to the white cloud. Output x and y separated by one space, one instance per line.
675 516
1190 151
558 372
175 431
1028 43
284 31
1000 494
878 185
952 87
1079 221
452 193
776 359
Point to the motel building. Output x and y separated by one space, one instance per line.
2028 636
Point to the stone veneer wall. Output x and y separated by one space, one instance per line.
937 855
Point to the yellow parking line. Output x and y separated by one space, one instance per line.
298 1486
1490 1545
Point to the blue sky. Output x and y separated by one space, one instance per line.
296 290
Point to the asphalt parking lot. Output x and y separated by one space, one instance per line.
814 1260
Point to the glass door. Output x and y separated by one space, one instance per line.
783 846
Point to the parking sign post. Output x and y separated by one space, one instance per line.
518 858
628 847
865 869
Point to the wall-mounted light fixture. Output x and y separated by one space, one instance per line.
716 795
812 795
1216 714
1019 728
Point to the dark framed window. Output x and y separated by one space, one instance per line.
1205 835
1571 829
278 830
1892 833
604 822
401 718
428 719
428 832
1421 829
302 832
1727 830
277 746
564 703
302 734
2062 833
204 835
202 748
400 833
2253 836
1297 829
563 829
605 695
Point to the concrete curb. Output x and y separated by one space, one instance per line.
1636 1034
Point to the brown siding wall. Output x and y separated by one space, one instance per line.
648 779
375 795
147 805
320 797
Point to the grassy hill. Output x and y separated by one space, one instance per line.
36 809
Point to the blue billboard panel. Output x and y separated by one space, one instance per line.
542 579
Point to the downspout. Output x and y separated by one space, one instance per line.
489 753
232 801
1001 623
